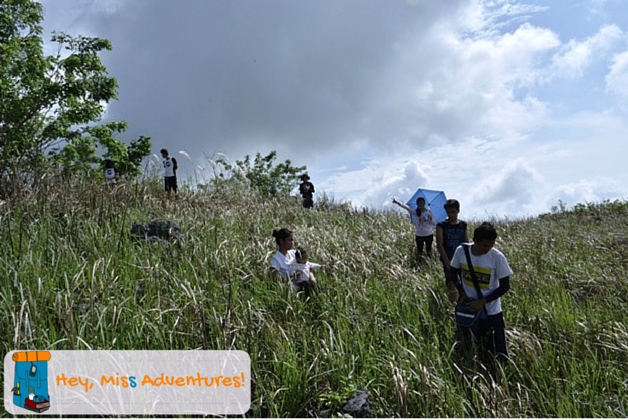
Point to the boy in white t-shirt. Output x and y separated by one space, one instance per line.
493 275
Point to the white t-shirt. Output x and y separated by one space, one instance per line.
305 270
110 175
281 263
169 167
425 223
489 268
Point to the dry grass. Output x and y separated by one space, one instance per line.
74 279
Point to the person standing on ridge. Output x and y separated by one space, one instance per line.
306 188
170 172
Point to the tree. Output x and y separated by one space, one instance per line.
49 104
263 175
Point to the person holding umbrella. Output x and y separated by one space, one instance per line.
424 222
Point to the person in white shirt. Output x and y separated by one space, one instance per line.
424 222
280 263
302 269
493 276
170 172
110 172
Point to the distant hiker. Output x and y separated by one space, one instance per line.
493 276
110 172
302 269
424 222
280 263
170 173
306 188
450 233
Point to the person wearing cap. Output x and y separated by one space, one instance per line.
306 188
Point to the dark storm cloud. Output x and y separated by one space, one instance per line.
242 76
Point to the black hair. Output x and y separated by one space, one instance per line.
452 203
281 235
300 253
162 151
486 231
418 209
108 163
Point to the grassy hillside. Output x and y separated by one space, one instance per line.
73 278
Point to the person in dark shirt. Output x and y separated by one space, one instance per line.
306 188
450 233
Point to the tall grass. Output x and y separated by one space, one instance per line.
75 279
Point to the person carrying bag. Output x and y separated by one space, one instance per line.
464 317
483 276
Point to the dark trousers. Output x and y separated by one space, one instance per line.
427 240
492 333
170 183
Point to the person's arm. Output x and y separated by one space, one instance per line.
440 237
504 286
432 218
458 282
465 239
175 165
404 206
315 266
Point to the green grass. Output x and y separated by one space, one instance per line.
74 279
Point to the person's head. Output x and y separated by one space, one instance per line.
301 255
484 237
452 207
420 202
164 153
305 177
108 163
284 239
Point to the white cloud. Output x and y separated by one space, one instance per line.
594 190
617 78
575 57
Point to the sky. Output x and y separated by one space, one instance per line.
512 107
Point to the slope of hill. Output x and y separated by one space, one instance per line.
75 279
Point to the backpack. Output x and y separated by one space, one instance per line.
30 383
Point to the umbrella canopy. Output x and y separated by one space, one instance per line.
434 200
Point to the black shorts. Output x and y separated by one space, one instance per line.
170 183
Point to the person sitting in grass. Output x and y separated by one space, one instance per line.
493 276
302 270
280 263
450 233
424 222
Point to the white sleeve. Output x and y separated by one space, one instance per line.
455 260
274 263
502 269
314 266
